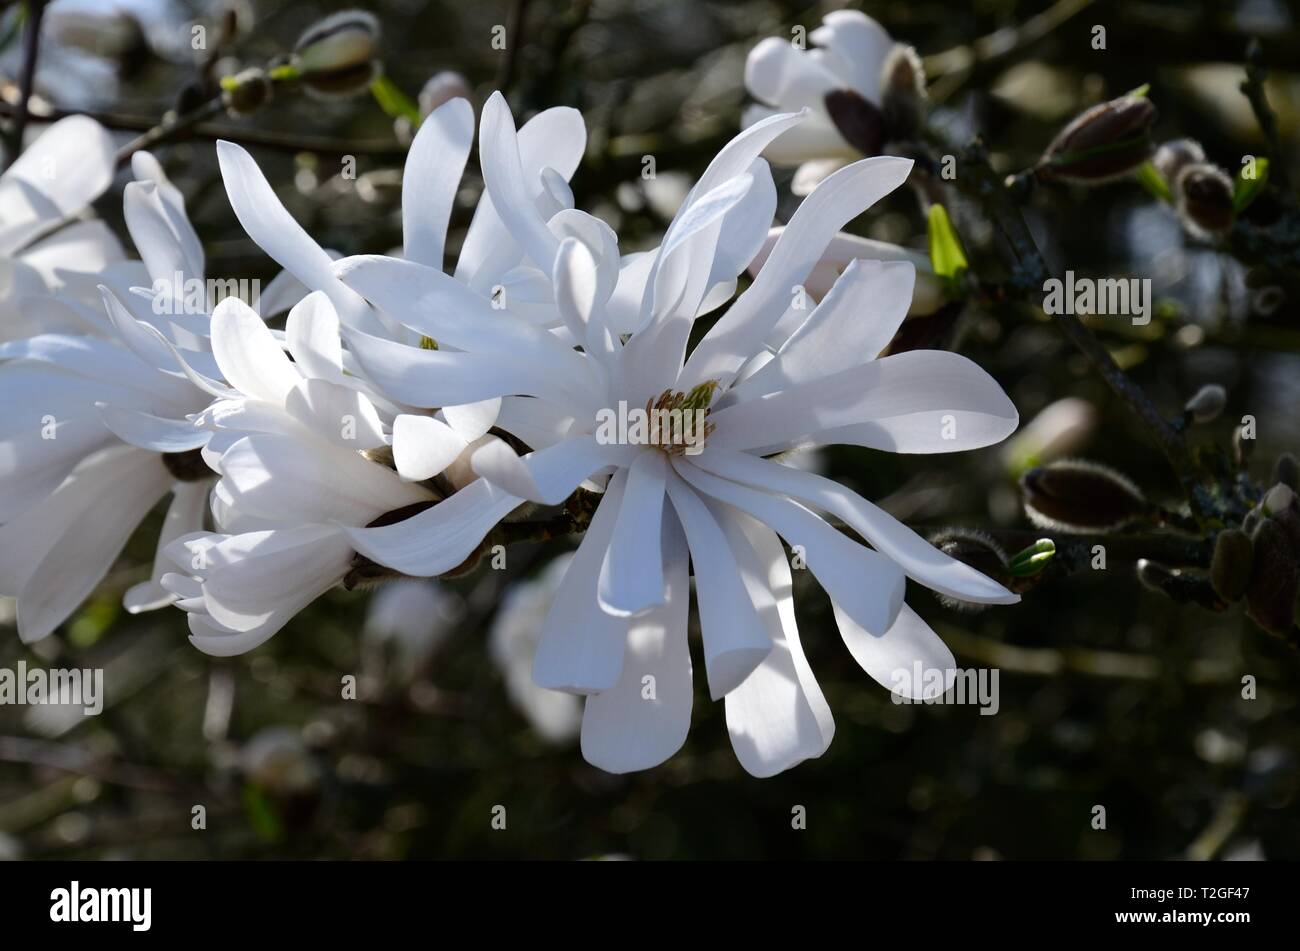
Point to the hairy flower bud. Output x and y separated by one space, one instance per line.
1287 471
1230 568
1078 496
1208 402
1278 499
903 97
339 55
860 123
443 87
1275 580
1242 448
976 549
1172 157
246 91
1203 196
1102 144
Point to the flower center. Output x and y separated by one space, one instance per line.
678 422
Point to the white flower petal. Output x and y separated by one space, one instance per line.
184 517
920 401
740 333
311 334
868 585
431 177
338 413
623 728
439 538
631 577
837 335
778 717
473 420
424 446
580 649
735 639
152 432
296 480
890 658
922 561
503 176
860 44
98 507
248 354
549 475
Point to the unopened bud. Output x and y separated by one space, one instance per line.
1275 580
1207 404
443 87
903 97
1077 496
339 55
278 761
1059 429
1278 499
1172 157
1287 471
1203 196
1106 142
1230 568
1242 448
977 550
246 91
860 123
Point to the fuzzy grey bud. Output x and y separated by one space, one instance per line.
860 123
1207 404
339 56
1203 196
903 99
1078 496
1230 568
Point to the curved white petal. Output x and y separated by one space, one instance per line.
866 584
580 649
644 718
740 333
922 561
920 401
439 538
152 432
778 717
184 516
248 354
337 413
632 577
892 658
431 178
424 446
735 639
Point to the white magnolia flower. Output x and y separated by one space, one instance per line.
854 54
278 423
97 431
42 242
290 441
620 614
555 716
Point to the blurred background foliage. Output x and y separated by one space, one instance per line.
1110 694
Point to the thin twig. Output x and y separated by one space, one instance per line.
31 49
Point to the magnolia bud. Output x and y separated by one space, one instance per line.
1242 448
903 97
246 91
1172 157
1287 471
277 760
339 55
1106 142
443 87
1207 404
1275 580
860 123
977 550
1230 568
1077 496
1203 196
1278 499
1059 429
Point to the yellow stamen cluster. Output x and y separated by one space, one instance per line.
673 418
